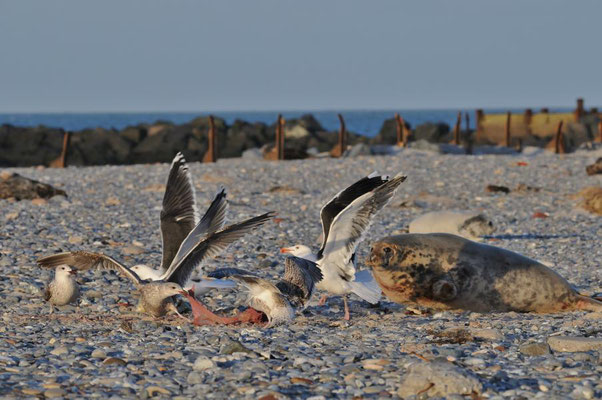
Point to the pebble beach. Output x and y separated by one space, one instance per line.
102 348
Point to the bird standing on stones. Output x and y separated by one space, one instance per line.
278 302
345 222
178 273
63 289
154 296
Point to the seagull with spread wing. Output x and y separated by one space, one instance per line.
278 302
345 221
154 296
153 293
180 227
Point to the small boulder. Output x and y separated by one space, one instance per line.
438 378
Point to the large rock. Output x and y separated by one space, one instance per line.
434 133
388 132
242 136
438 378
98 147
162 143
134 134
21 188
574 343
21 147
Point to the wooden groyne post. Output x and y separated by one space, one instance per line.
600 131
280 138
508 121
400 127
479 115
341 146
61 161
211 153
579 111
558 140
457 129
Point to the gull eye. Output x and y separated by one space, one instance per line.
387 250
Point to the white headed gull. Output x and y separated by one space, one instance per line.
63 289
345 221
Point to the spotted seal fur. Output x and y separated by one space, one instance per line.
444 271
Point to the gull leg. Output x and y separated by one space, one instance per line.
323 300
183 317
347 317
174 309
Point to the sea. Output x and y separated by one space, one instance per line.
365 122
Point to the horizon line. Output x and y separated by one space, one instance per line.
308 110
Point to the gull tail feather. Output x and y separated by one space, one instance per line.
366 287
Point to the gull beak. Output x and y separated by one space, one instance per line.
191 292
285 250
73 272
184 293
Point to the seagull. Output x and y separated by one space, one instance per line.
63 289
179 213
155 297
345 221
278 302
212 221
180 228
177 273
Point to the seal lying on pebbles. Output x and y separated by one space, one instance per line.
444 271
470 225
63 289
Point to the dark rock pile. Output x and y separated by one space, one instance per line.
158 142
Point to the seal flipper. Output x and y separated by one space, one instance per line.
587 304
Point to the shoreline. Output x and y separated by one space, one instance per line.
114 209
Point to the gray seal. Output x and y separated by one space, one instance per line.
443 271
470 225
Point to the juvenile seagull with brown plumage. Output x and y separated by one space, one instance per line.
278 302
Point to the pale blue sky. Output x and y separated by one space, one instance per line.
185 55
